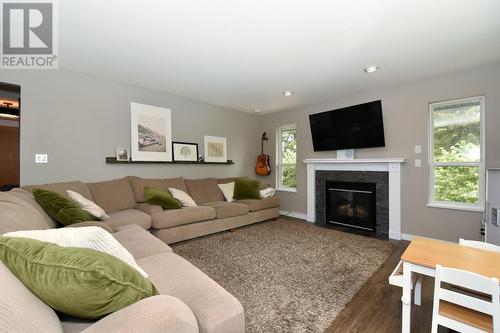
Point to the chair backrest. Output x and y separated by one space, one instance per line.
469 281
479 245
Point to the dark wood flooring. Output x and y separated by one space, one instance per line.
376 308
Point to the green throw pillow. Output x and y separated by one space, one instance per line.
60 208
161 198
79 282
246 189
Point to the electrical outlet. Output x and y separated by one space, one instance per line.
41 159
418 149
418 163
495 216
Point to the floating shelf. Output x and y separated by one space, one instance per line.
112 160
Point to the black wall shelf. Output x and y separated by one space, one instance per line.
112 160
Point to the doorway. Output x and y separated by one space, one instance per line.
10 124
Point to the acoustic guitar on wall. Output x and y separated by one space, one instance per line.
263 168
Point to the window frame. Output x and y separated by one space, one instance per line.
279 164
479 207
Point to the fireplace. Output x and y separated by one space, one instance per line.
385 173
351 204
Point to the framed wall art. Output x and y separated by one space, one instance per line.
151 133
121 154
215 149
184 151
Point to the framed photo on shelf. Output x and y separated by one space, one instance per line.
121 154
215 149
184 151
151 133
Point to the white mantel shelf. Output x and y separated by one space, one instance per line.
358 160
390 165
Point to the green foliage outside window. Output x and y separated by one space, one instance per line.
457 140
288 158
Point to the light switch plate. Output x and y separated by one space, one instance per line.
418 149
495 216
418 163
41 158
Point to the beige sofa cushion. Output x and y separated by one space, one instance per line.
260 204
215 309
139 184
225 209
174 217
21 310
139 242
16 214
61 188
149 209
226 180
204 190
158 314
231 179
113 195
29 198
127 217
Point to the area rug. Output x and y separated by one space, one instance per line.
290 276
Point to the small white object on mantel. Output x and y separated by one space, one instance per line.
390 165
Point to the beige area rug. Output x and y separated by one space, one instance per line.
290 276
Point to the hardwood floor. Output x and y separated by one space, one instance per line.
376 308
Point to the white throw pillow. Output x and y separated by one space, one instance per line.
94 238
228 191
89 206
183 197
267 192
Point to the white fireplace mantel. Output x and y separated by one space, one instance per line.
390 165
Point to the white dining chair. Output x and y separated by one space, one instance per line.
465 312
479 245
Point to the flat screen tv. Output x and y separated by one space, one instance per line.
358 126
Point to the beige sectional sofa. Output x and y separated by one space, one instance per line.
123 199
189 302
213 213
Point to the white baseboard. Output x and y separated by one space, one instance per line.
395 235
407 237
293 214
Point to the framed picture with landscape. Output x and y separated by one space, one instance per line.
215 149
184 151
151 133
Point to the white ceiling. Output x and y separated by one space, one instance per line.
242 54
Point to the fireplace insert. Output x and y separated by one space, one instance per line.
351 204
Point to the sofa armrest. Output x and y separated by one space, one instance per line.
149 209
103 225
157 314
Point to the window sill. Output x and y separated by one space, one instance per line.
478 209
290 190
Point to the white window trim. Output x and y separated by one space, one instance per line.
279 185
481 164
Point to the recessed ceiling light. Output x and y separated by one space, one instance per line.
288 93
256 110
371 69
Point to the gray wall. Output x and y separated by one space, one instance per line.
79 119
405 110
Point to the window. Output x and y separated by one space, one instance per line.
456 158
286 161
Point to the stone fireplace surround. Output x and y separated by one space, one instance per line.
359 170
379 178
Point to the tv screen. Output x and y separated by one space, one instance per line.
358 126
